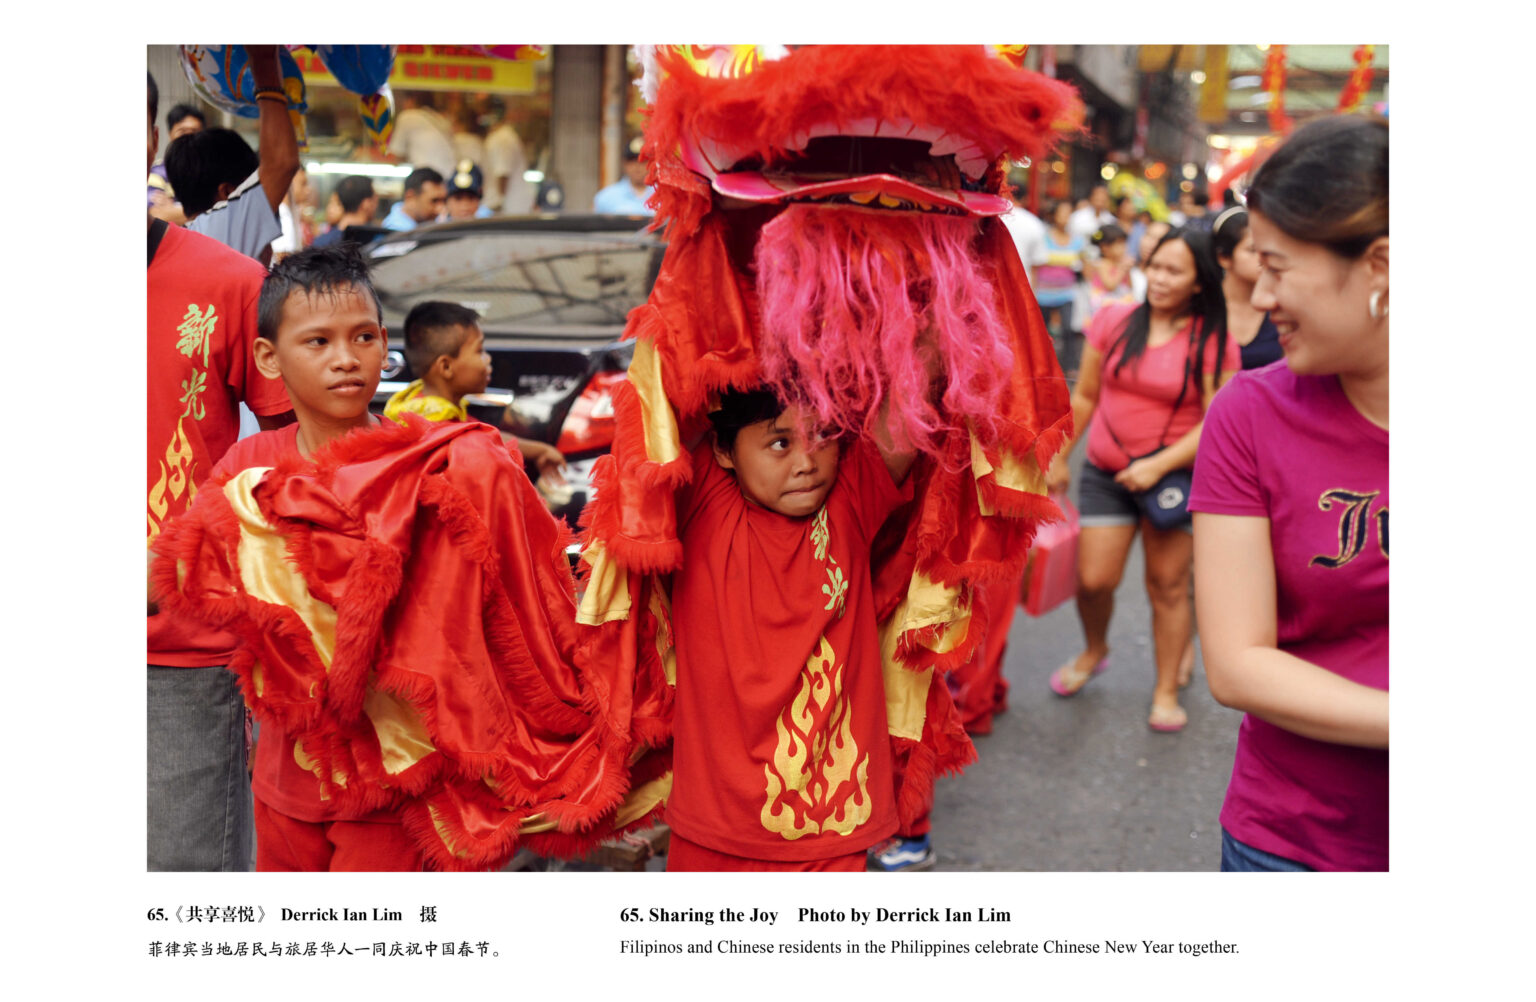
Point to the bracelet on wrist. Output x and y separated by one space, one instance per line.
271 94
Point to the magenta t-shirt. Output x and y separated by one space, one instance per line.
1137 401
1293 449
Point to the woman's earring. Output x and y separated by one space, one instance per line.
1377 310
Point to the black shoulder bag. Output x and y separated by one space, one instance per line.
1166 503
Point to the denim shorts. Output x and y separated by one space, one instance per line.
1240 857
1102 501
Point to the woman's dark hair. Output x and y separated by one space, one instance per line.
1053 208
1207 305
740 408
1327 184
1227 232
1107 234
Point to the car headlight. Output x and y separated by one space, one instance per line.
394 364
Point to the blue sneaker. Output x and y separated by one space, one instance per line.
902 855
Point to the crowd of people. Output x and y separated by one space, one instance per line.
1228 373
459 171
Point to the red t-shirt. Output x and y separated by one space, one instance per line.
277 778
780 745
1137 401
202 322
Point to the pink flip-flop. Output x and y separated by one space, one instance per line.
1166 721
1058 678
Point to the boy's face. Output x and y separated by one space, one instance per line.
463 205
776 468
470 370
329 353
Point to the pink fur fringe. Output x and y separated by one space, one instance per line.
856 302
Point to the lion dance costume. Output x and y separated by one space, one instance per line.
406 613
831 221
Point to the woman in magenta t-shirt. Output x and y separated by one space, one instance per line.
1291 531
1148 374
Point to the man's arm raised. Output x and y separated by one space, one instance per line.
277 146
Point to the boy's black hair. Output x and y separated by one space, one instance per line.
197 163
436 328
154 98
417 179
353 191
740 408
182 111
332 270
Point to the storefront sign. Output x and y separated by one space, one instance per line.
438 67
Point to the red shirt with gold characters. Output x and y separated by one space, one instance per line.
779 734
202 323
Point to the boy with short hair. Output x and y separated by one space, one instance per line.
406 615
775 631
446 348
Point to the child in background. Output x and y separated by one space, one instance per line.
1109 275
444 344
406 615
782 759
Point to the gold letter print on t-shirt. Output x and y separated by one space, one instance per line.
1354 525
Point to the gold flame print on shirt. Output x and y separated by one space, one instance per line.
818 779
175 480
176 469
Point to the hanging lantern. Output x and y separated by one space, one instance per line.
1274 85
1359 80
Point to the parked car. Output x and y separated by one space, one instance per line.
552 292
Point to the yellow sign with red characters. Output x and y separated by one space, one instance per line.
437 67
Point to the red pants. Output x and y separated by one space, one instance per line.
683 855
286 844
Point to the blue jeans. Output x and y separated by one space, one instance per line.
199 809
1240 857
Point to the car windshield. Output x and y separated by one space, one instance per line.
521 282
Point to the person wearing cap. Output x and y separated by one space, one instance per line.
627 195
465 187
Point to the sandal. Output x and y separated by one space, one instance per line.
1066 682
1167 721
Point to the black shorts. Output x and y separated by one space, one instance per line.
1101 501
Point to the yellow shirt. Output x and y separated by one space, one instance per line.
412 400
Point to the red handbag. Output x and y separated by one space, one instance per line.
1050 570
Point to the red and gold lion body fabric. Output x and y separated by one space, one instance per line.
830 215
407 615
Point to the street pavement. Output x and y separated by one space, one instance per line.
1083 783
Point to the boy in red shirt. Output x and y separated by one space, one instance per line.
406 614
782 760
